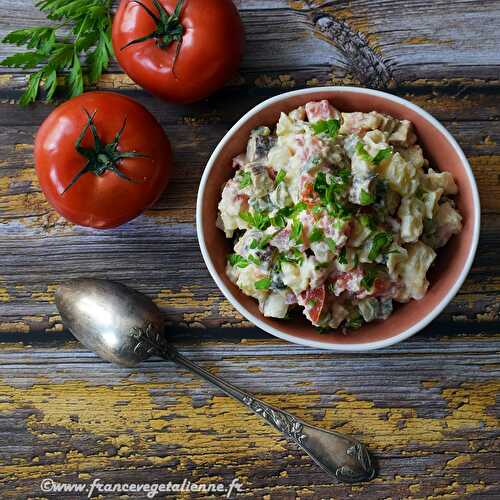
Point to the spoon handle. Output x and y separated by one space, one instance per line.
339 455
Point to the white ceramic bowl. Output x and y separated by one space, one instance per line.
453 262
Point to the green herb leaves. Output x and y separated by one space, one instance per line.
296 232
369 278
295 256
366 198
263 284
329 127
381 155
245 180
259 220
342 259
329 192
61 57
280 177
380 242
279 220
316 235
237 260
262 243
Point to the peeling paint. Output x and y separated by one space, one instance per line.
381 427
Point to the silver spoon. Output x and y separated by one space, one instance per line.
125 327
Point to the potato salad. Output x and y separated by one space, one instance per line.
337 214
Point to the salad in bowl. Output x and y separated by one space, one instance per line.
335 214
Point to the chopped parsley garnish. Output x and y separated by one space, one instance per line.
245 180
262 243
263 284
299 207
322 265
381 155
279 220
331 288
327 193
362 153
344 174
355 260
330 127
311 303
369 279
367 221
343 257
316 235
280 177
255 260
259 220
354 323
296 257
331 244
296 230
380 241
366 198
237 260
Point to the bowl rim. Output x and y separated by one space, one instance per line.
368 346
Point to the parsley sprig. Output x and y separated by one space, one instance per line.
259 220
329 127
66 60
380 242
381 155
330 192
369 278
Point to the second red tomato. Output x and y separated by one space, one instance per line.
179 50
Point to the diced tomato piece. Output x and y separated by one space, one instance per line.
308 195
313 301
242 199
271 172
384 287
320 110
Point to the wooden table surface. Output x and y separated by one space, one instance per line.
427 408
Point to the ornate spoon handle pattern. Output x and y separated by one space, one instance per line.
339 455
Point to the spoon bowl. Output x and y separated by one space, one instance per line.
103 315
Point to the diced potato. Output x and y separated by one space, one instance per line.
403 135
400 175
440 180
413 271
411 212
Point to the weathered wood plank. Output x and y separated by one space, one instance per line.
40 250
347 38
431 428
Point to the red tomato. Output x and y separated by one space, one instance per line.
187 58
114 186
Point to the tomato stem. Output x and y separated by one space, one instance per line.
102 157
168 29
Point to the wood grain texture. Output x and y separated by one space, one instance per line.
432 429
428 408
